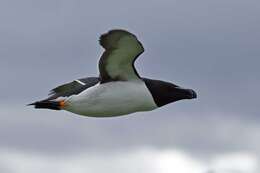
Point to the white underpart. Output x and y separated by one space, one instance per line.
112 99
61 98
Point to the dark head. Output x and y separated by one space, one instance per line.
164 92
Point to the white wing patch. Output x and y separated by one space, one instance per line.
82 83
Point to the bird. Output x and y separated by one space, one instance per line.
119 89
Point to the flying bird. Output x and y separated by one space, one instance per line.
119 89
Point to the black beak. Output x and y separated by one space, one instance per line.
184 93
192 94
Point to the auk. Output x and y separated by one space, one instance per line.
119 89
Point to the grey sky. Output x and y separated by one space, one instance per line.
210 46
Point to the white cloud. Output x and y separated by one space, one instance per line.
170 161
235 162
140 160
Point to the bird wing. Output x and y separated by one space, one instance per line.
73 88
121 50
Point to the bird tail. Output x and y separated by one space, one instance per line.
48 104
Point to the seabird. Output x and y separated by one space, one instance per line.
119 89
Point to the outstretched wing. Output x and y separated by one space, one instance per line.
73 88
121 50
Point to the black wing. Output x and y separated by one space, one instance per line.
73 88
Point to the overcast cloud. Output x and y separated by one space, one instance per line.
210 46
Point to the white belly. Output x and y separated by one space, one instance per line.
112 99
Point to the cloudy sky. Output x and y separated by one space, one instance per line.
210 46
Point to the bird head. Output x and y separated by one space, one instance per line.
165 92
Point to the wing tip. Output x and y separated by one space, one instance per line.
108 39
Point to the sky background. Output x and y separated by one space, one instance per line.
209 46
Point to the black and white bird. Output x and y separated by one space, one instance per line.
119 90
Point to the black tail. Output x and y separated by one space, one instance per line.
46 104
